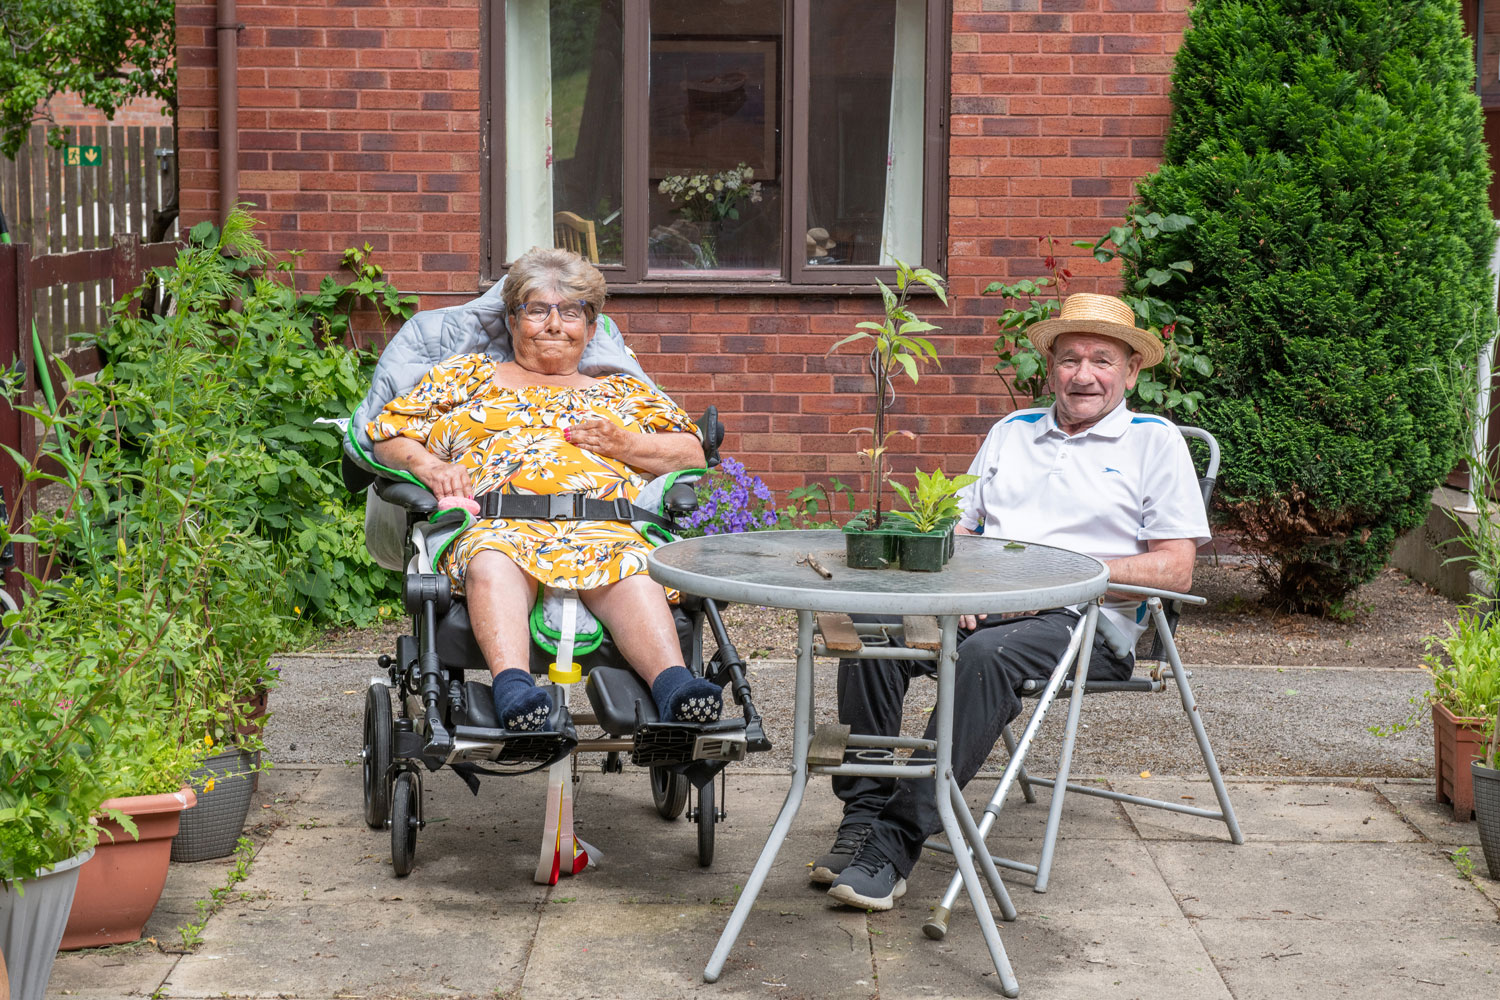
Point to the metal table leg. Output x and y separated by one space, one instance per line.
801 735
947 665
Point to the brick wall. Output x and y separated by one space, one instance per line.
69 109
359 123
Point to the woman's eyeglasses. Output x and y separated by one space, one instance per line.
568 312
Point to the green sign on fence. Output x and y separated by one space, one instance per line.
85 156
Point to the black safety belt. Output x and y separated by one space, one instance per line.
566 507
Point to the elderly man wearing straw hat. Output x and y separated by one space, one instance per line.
1085 474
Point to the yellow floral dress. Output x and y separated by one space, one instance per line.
512 440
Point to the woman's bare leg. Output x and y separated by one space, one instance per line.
636 612
500 596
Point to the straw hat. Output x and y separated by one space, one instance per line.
819 243
1106 315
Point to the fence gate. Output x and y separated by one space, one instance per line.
110 181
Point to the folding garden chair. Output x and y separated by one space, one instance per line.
1156 644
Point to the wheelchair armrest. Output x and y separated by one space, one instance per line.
682 498
1165 595
415 499
711 431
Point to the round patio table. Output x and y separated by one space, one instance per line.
985 576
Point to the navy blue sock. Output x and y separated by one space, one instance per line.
519 704
681 697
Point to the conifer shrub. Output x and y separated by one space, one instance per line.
1332 154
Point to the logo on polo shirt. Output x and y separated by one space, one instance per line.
1115 471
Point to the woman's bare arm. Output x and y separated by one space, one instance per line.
443 478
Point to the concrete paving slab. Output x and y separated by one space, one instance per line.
789 948
1080 958
1416 803
1269 811
1307 881
416 947
1392 959
131 970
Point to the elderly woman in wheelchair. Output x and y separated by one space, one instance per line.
506 446
534 426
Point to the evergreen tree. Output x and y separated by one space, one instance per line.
1332 154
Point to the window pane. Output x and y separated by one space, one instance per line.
865 131
563 150
715 135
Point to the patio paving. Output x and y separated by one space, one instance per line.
1344 888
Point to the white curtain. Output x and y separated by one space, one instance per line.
528 126
901 228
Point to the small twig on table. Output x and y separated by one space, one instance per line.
815 566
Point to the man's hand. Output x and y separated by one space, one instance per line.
970 622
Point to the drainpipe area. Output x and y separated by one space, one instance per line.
229 107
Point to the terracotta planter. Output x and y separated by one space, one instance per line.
254 725
1457 741
119 887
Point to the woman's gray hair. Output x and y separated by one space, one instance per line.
557 270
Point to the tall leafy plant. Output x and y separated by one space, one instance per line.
896 345
1332 154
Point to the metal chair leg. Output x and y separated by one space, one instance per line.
1065 758
1021 775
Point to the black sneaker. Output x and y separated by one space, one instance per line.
869 883
845 846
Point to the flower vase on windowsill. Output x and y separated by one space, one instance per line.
705 201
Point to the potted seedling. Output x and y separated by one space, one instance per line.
933 515
1465 667
872 538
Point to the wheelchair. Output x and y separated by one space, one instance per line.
444 718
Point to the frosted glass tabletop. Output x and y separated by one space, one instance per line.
985 575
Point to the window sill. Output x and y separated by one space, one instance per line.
735 288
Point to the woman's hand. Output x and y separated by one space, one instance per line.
602 437
655 454
445 479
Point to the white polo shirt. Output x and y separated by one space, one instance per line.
1104 492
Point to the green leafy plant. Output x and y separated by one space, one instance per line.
813 505
244 856
897 345
935 499
1164 388
1333 156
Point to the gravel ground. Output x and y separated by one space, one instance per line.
1280 694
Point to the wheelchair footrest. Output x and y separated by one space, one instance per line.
477 744
659 743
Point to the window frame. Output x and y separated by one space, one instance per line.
795 277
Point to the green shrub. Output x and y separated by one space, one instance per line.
1332 154
272 362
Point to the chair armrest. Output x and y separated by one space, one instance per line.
682 498
415 499
1166 595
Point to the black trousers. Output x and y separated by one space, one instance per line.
993 660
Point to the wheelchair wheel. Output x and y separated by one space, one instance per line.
706 816
377 755
403 823
669 791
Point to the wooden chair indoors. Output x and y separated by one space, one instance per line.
575 233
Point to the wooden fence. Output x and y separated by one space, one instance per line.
122 177
118 269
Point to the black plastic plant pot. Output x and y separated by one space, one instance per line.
870 548
927 552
